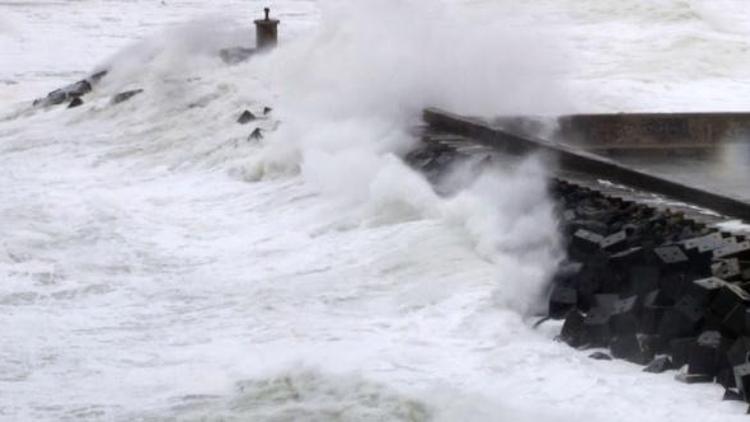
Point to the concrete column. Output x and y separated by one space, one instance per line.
266 31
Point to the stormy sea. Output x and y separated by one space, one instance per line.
159 263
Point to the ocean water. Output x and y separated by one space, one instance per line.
156 264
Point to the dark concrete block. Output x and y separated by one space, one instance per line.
643 278
625 346
674 324
573 332
739 352
706 353
694 378
730 305
596 326
742 379
606 302
629 347
727 269
651 317
680 350
653 344
625 323
628 257
600 356
674 285
691 308
671 255
566 272
562 300
246 117
568 216
616 242
731 250
704 244
586 241
625 305
256 135
594 226
659 365
725 378
731 394
657 298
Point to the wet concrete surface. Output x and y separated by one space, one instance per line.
724 169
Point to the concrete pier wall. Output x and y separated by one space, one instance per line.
567 158
653 130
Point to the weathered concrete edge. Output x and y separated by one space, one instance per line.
572 160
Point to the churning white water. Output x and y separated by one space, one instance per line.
158 265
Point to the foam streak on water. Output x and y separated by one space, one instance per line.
157 265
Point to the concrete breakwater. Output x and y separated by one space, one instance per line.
655 287
653 130
637 131
653 280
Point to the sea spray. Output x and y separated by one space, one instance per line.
351 91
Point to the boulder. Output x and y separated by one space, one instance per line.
77 101
65 94
126 95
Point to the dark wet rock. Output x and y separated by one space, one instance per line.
600 356
62 95
256 135
65 94
78 89
126 95
96 77
77 101
236 55
246 117
55 97
267 110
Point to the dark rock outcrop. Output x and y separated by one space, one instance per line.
72 91
125 95
65 94
77 101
